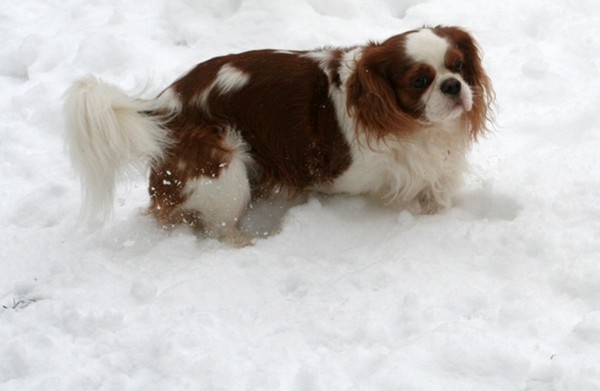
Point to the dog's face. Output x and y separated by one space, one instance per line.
423 77
432 85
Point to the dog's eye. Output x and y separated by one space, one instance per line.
419 82
458 66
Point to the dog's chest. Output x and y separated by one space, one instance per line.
400 170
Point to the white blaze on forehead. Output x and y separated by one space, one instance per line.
425 46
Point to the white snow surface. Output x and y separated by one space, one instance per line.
501 292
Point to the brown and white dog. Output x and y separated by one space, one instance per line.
392 120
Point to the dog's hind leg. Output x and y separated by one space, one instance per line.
209 191
219 203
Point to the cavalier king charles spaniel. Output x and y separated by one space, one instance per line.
392 120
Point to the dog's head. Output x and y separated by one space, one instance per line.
419 78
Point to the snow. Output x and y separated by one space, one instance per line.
501 292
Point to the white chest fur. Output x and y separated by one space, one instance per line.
425 165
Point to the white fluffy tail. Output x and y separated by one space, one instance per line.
107 131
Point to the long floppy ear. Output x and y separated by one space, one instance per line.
483 93
371 98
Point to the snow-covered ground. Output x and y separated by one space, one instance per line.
501 292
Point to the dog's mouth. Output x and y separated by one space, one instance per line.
462 101
455 107
444 107
466 102
459 105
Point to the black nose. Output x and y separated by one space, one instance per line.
451 87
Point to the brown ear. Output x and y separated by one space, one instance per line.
371 98
474 74
483 92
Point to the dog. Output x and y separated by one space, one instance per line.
393 120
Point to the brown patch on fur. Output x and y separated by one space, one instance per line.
409 96
454 60
377 97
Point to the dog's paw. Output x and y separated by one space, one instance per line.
426 204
